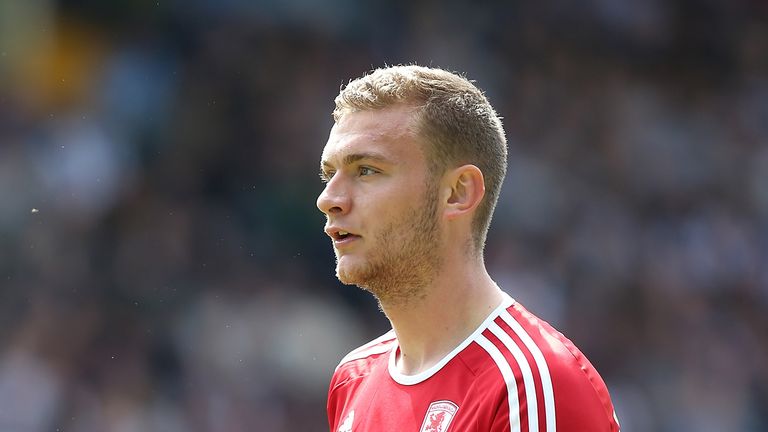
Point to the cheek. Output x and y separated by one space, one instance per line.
389 201
393 200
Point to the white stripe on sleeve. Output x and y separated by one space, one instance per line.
541 364
525 368
509 378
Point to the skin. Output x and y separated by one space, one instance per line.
411 242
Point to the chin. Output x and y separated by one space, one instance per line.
351 273
347 276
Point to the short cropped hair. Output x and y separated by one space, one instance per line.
454 118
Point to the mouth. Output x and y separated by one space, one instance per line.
341 237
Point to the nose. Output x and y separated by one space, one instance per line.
334 199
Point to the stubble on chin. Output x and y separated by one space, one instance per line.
403 266
343 275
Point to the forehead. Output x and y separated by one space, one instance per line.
390 133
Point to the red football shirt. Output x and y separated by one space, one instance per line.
514 373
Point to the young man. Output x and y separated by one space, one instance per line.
413 168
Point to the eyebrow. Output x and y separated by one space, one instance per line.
355 157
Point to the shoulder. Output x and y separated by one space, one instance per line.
375 347
564 361
358 362
549 381
351 372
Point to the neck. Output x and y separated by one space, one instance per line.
452 307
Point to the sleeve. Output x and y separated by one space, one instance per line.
333 409
571 416
582 401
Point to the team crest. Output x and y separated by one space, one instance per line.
439 416
346 425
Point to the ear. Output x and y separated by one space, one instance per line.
465 188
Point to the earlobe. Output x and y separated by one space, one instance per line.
467 189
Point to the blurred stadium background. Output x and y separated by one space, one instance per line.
162 264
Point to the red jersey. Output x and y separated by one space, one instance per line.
514 373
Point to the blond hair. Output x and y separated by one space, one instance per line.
454 118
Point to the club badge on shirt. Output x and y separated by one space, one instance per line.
439 416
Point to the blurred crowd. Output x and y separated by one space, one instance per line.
163 265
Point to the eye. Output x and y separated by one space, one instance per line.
325 176
366 171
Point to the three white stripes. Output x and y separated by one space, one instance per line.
541 364
525 368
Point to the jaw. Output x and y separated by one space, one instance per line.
395 280
349 268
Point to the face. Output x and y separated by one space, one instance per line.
381 204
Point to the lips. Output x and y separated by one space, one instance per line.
341 236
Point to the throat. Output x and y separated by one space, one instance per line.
415 366
427 333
